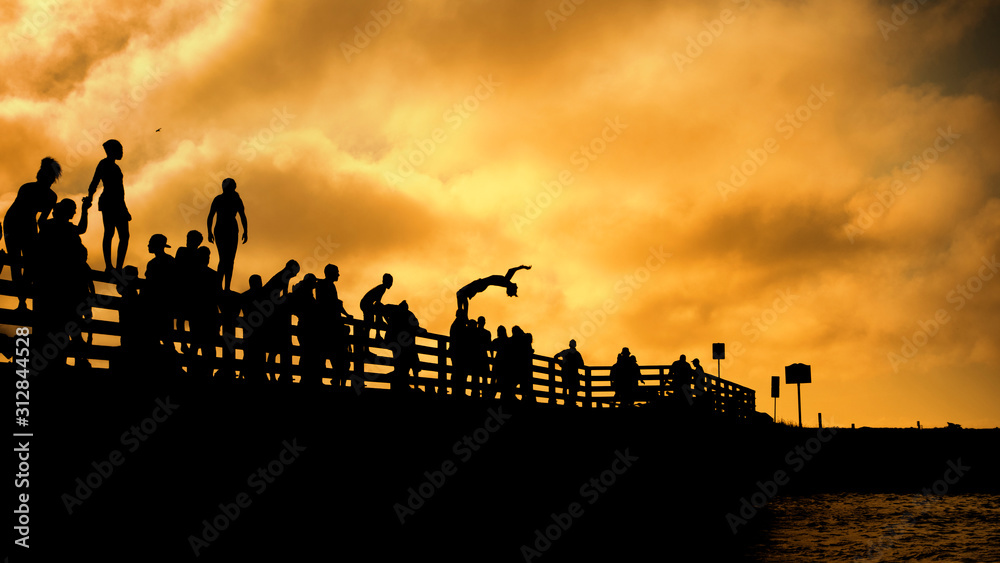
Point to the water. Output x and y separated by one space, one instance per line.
879 527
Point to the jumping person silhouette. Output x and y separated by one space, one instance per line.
480 285
21 223
112 202
227 205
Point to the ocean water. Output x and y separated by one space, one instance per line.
878 527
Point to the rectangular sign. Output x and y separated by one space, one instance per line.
719 351
798 373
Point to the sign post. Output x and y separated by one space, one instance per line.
798 374
719 353
775 392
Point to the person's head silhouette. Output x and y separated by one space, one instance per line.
331 272
512 290
572 344
387 280
49 171
157 242
194 239
256 282
228 185
64 210
113 149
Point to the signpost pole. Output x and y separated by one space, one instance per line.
799 387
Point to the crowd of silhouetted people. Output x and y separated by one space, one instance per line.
172 318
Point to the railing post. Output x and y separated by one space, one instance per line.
442 388
359 355
588 388
552 381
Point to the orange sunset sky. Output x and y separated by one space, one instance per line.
809 181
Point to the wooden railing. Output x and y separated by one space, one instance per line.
437 374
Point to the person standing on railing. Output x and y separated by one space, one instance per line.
33 204
112 202
227 206
571 363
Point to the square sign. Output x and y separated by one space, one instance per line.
798 373
719 351
775 386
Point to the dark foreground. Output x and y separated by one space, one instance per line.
233 473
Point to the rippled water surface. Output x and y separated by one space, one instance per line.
879 527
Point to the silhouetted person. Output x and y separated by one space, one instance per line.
458 349
277 327
112 202
371 307
204 314
137 344
33 203
571 362
401 332
187 267
61 277
334 331
481 340
227 206
500 375
625 378
520 355
308 329
158 291
252 368
680 376
480 285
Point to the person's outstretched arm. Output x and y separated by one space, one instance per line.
510 272
81 228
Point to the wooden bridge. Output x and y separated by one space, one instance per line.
437 374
